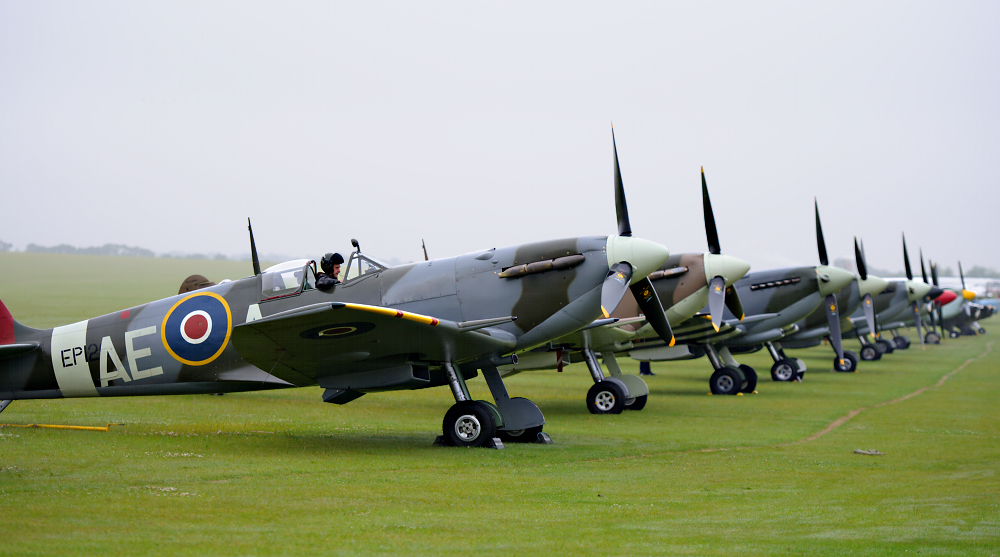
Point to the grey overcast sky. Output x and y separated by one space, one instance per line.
165 125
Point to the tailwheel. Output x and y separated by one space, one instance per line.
887 345
868 353
751 376
850 362
932 338
638 403
726 381
784 370
529 435
469 424
605 397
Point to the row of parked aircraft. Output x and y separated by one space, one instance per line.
498 312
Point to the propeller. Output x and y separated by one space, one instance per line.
940 313
833 319
906 260
820 242
718 294
425 250
253 250
923 273
961 274
866 302
614 285
915 306
922 270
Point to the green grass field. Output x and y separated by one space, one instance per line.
281 473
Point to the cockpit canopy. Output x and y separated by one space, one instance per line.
360 265
285 279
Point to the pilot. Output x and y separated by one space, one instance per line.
331 270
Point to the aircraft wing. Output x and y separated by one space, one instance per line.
305 345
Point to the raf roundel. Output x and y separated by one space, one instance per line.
196 330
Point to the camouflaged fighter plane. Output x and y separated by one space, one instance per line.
858 295
384 328
957 312
890 306
684 284
773 301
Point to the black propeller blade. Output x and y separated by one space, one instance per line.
922 270
253 250
819 238
615 286
649 303
624 228
934 278
734 304
833 319
915 306
961 274
906 260
710 230
860 259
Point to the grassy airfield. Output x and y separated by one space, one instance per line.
280 472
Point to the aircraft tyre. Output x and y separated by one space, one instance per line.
529 435
784 370
725 381
888 345
954 334
605 397
879 347
638 403
850 362
932 338
751 383
469 424
982 331
902 343
869 353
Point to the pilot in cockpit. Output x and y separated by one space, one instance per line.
331 270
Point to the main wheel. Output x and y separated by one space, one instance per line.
529 435
725 381
869 353
751 382
932 338
850 362
784 370
469 424
888 345
638 403
902 343
879 347
982 331
605 398
954 334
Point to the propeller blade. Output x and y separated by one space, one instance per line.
710 230
734 304
941 322
961 274
819 238
862 267
253 250
906 260
922 270
869 306
425 250
833 319
716 300
624 228
649 303
916 319
934 273
615 286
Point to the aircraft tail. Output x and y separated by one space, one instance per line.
10 329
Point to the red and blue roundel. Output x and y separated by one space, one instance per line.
196 330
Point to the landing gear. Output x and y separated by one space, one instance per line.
469 424
869 353
637 404
751 379
954 334
784 370
850 362
887 346
902 343
726 381
529 435
932 338
982 331
606 397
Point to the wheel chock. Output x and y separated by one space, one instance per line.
543 438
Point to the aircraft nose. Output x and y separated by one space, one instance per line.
643 255
726 266
872 285
916 290
935 293
833 279
968 294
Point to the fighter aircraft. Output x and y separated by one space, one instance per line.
857 295
684 284
958 314
773 301
413 326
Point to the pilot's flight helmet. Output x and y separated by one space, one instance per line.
329 260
